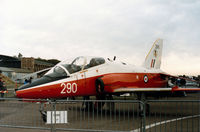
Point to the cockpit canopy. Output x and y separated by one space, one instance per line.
65 68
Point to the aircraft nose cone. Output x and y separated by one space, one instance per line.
16 93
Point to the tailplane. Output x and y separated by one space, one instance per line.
153 59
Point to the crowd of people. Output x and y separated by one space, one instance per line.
182 82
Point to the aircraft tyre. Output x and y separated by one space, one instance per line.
99 86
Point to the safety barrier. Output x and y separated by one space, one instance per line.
173 116
101 115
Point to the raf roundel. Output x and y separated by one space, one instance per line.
145 78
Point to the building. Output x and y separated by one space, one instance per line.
34 65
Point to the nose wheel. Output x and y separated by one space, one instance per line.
43 112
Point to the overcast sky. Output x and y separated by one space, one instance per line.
62 29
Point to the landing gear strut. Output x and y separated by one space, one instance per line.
110 105
86 105
142 97
90 105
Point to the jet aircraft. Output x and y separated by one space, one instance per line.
94 76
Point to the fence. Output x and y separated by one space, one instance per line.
101 115
173 116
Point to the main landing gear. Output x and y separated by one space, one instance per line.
99 104
143 106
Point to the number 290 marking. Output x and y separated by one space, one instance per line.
68 88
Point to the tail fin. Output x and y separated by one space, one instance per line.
153 59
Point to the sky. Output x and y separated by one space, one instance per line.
61 29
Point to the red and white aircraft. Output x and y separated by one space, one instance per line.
93 76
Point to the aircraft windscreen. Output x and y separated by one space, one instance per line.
72 68
58 72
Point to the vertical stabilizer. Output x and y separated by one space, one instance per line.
153 59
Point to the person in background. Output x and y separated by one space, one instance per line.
30 80
26 81
183 82
2 88
178 82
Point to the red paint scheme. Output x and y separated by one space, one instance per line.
86 87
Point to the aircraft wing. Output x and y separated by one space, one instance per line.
141 89
173 89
